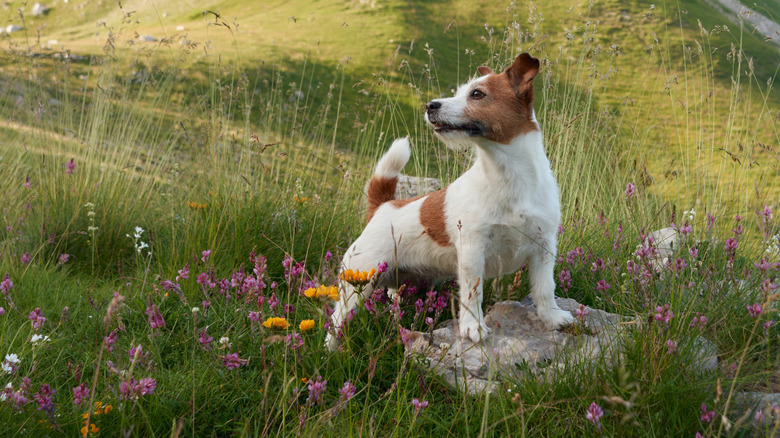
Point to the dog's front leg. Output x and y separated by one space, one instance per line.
471 277
543 291
349 299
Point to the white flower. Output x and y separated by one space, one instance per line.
139 230
38 338
225 341
6 368
195 310
12 358
8 388
89 205
690 214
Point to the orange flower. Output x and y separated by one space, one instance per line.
357 277
306 325
275 322
331 292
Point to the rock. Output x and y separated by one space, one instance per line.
519 343
38 10
147 38
757 400
667 242
179 28
11 28
411 186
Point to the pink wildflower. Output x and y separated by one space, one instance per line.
754 310
205 256
316 390
184 273
45 398
419 406
64 258
594 415
36 318
629 192
80 393
26 257
110 340
232 361
71 167
706 415
672 345
205 340
602 286
155 317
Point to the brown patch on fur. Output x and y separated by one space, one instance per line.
507 106
431 215
380 190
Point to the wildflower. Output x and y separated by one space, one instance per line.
6 285
45 398
11 363
594 415
26 182
331 292
155 317
759 417
419 406
137 354
92 429
80 393
582 311
381 268
564 279
36 338
699 320
2 311
685 229
64 258
26 257
602 286
71 166
672 345
663 313
306 325
110 340
184 273
275 322
36 318
346 393
706 415
316 390
690 214
205 256
357 277
731 245
254 316
225 342
204 339
629 192
293 341
145 386
754 310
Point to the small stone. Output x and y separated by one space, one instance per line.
11 28
179 28
147 38
38 10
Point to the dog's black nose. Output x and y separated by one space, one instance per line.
432 105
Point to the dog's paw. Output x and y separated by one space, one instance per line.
473 330
555 318
331 342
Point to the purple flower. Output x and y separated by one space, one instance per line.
232 361
685 229
71 167
419 406
26 257
582 311
294 341
699 320
731 245
754 310
316 390
706 416
205 256
205 340
80 393
155 317
663 313
184 273
137 354
598 265
346 393
602 286
693 252
381 268
672 345
629 192
37 318
110 340
64 258
27 183
2 311
254 317
429 321
564 279
6 285
145 386
45 398
594 415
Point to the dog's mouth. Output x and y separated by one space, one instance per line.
472 129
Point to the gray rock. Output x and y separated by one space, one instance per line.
11 28
411 186
519 343
38 10
147 38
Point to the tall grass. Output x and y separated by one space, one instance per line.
249 161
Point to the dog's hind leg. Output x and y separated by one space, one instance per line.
349 299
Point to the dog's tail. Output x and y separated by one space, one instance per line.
381 188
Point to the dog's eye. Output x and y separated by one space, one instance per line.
477 94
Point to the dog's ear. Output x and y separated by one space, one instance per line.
522 72
484 70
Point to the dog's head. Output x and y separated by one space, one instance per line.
493 106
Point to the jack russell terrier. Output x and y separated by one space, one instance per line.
501 214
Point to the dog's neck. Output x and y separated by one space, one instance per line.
522 162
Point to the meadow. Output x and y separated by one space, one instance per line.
168 205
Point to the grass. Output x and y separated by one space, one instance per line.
204 147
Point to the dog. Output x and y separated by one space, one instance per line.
501 214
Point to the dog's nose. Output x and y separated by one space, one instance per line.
432 105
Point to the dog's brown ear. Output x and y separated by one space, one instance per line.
522 72
484 70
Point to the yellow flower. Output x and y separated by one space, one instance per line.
306 325
92 429
275 323
331 292
108 409
196 205
357 277
300 199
